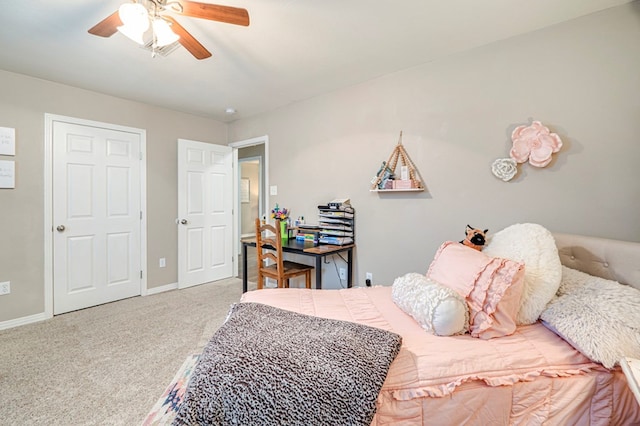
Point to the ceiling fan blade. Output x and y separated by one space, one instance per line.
108 26
188 41
214 12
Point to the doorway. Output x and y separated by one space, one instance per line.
250 150
95 243
251 194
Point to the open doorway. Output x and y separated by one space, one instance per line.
250 194
251 185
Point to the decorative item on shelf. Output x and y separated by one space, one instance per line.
281 214
534 143
386 178
384 175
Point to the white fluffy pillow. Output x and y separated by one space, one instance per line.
438 309
535 246
598 317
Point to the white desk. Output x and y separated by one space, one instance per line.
631 368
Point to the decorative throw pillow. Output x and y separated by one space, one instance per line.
598 317
438 309
492 287
535 246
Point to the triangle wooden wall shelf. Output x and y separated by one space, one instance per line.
384 182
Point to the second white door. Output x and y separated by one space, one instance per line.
205 212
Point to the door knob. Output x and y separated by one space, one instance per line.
184 221
60 228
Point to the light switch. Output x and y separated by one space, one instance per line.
273 190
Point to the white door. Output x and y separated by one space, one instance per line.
96 215
205 212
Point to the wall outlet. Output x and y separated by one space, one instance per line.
368 279
163 262
343 274
5 288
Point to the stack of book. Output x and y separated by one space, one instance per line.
336 222
308 233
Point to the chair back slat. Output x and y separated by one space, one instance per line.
269 248
269 255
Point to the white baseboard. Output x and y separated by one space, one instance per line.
43 316
23 321
161 289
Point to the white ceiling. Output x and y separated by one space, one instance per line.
292 50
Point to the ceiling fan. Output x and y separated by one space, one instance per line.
138 18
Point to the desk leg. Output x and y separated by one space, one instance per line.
318 272
350 268
244 268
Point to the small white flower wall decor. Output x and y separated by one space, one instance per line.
533 143
505 168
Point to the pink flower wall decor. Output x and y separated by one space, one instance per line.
534 143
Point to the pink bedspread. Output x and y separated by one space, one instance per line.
530 378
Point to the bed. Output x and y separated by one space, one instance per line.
531 376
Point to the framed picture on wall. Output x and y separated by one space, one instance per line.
245 195
7 141
7 174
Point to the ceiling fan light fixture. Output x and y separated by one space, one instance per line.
134 35
135 19
163 34
134 15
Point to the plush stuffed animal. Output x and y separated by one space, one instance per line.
475 238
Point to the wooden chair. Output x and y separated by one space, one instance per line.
269 247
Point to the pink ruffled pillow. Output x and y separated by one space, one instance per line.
492 287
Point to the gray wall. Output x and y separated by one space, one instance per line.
23 103
581 78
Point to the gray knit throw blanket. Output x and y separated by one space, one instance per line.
269 366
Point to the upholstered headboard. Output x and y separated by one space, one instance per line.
611 259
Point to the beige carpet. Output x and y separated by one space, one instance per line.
109 364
